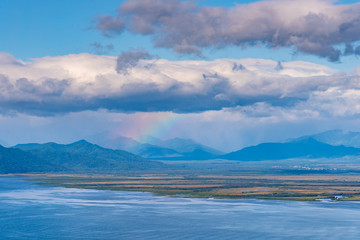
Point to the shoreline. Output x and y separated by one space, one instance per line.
271 187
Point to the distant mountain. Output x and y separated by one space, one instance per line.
186 149
339 137
305 148
128 144
83 156
17 161
182 145
154 148
107 140
153 151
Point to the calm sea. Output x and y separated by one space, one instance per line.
28 211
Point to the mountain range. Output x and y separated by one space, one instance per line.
306 147
156 149
86 157
329 144
334 143
78 157
339 137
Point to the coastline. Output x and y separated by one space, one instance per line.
270 187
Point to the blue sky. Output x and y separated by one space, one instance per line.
34 29
134 75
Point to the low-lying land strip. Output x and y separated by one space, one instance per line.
281 187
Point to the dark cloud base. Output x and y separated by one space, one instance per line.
131 84
48 98
156 102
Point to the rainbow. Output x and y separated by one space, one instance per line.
159 125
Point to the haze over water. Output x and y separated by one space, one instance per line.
28 211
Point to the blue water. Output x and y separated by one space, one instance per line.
29 211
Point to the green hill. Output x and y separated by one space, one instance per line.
83 156
17 161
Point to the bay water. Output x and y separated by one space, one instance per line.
29 211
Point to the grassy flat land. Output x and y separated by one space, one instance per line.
281 187
293 179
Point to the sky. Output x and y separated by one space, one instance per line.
228 74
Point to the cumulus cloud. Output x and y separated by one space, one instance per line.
311 26
78 82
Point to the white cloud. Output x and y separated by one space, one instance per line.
72 83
